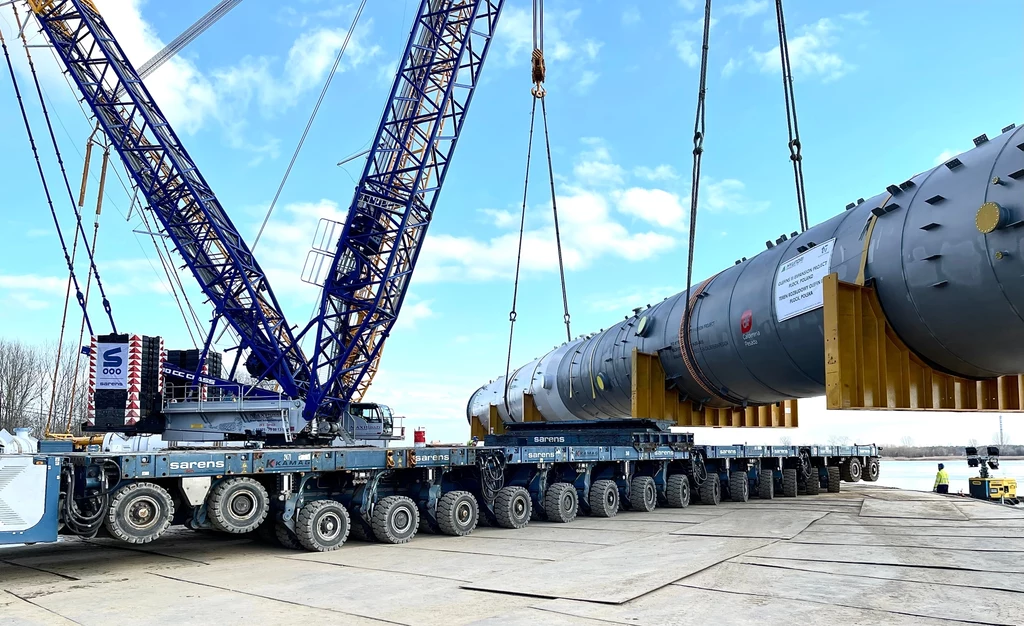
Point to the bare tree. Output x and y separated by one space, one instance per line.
19 385
838 440
785 440
907 441
1000 439
972 443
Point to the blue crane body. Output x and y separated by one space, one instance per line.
307 494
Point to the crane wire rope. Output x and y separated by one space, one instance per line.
95 234
42 177
63 171
309 123
791 120
165 263
538 71
698 151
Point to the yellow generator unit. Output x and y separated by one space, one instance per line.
999 489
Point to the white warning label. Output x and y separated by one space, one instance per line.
798 281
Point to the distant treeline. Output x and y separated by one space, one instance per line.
955 451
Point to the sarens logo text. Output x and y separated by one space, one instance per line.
190 465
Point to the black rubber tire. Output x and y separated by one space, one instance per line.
457 513
834 479
139 512
739 487
395 519
237 505
360 532
561 503
789 484
322 526
285 537
852 469
425 526
813 486
711 490
266 532
766 485
643 494
513 507
604 498
677 491
872 470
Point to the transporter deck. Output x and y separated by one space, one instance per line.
868 555
317 496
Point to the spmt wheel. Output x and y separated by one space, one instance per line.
872 470
139 512
789 486
395 519
237 505
604 498
643 494
512 507
739 487
766 485
561 502
286 538
677 491
711 490
266 532
834 479
457 513
851 469
358 530
813 487
322 526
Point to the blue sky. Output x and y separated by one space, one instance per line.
884 90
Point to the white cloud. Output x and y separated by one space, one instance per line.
34 282
944 156
190 97
588 233
687 37
631 15
810 54
730 67
515 36
661 172
595 167
587 78
624 301
412 313
859 18
748 8
728 196
656 206
688 5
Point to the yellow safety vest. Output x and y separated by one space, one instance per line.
941 478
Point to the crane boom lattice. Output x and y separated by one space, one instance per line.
179 196
381 239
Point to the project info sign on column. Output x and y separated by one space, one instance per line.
798 281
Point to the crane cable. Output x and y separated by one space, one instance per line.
538 71
698 152
42 177
95 234
791 121
60 162
309 123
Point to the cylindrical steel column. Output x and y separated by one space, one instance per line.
945 252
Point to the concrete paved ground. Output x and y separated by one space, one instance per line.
868 555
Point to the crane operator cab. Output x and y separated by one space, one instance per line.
375 421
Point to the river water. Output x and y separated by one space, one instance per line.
920 475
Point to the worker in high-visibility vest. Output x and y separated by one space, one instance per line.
941 480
